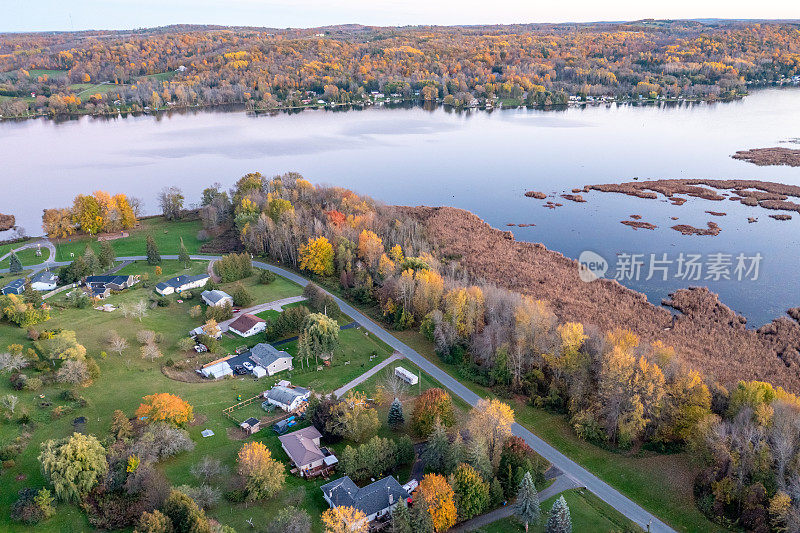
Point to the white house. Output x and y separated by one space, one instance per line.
271 359
44 280
217 298
181 283
406 375
287 397
375 500
247 325
217 369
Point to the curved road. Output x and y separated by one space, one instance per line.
570 468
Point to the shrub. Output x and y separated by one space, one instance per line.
33 384
233 267
161 441
266 277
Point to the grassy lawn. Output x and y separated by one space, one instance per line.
85 90
588 513
28 257
36 72
7 247
161 76
166 234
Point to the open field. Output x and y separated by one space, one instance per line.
166 234
28 257
588 513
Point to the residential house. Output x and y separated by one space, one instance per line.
247 325
15 287
101 286
375 500
287 397
270 358
302 447
181 283
217 298
44 280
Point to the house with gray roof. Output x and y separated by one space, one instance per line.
270 358
181 283
217 298
303 448
286 396
375 500
15 287
112 282
44 280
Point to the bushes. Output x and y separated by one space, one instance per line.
33 506
288 323
376 456
219 313
233 267
319 301
241 296
266 277
161 441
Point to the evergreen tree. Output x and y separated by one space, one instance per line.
437 448
107 255
401 519
478 458
241 298
559 520
421 520
90 261
496 496
153 257
527 506
14 264
456 454
183 255
32 296
396 418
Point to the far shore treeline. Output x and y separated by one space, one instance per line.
615 390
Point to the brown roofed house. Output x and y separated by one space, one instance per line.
247 325
302 447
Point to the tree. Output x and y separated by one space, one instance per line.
14 264
57 223
154 522
91 264
165 407
437 448
211 328
470 491
435 495
10 402
32 296
107 255
344 519
151 351
171 201
73 371
290 520
117 343
183 255
317 256
74 465
322 335
153 257
241 296
207 469
432 404
121 427
264 476
62 346
401 519
491 421
527 508
395 417
559 520
359 420
370 247
184 514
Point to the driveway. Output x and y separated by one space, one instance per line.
368 374
274 305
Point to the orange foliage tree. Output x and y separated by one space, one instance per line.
432 404
436 496
165 407
344 519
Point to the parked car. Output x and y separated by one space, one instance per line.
239 370
248 365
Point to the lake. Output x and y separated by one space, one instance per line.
480 161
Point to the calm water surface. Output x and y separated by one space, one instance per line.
479 161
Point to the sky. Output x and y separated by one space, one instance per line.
50 15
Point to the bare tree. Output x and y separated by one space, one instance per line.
117 343
72 371
146 336
10 402
207 469
392 386
12 362
151 352
136 310
171 201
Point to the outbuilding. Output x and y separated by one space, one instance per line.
271 359
251 425
217 369
405 375
217 298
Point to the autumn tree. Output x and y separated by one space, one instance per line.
359 420
264 476
464 307
321 333
344 519
436 496
58 223
370 247
121 427
432 404
165 407
471 492
171 201
317 256
74 465
491 420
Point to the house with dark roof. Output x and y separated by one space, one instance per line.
375 500
302 447
247 325
270 358
44 280
181 283
15 287
287 396
113 282
217 298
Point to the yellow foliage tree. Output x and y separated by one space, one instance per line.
317 256
491 421
344 519
436 496
165 407
370 247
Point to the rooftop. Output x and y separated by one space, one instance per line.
215 296
370 499
300 446
43 276
245 321
180 281
285 395
264 354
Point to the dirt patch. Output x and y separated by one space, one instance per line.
685 229
198 420
224 243
236 433
763 157
112 236
552 205
636 217
781 217
637 224
574 198
708 336
186 375
7 222
536 194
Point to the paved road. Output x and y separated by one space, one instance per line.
366 375
36 244
571 469
561 484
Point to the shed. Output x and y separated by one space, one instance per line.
251 425
217 370
259 372
405 375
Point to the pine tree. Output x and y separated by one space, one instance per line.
14 264
396 418
559 520
107 255
241 298
478 458
496 496
401 519
456 454
436 449
32 296
421 520
153 257
527 506
90 260
183 255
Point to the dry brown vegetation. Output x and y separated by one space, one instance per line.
707 335
536 194
781 217
637 224
574 198
6 222
685 229
770 156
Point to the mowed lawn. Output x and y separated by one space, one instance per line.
167 235
126 378
28 257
